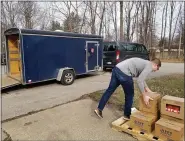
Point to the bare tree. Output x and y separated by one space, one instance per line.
84 18
141 23
9 17
113 14
28 11
177 19
138 22
121 20
180 44
128 9
102 17
135 22
93 16
45 16
107 22
172 6
162 30
63 14
72 23
146 21
152 28
115 21
164 35
9 11
69 7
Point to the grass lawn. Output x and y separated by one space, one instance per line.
167 85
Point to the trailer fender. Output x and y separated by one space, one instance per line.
60 72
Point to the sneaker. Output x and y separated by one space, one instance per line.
98 113
126 117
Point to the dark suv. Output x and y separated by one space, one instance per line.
115 52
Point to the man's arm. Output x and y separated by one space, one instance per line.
142 84
147 88
141 79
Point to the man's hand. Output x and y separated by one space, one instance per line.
146 99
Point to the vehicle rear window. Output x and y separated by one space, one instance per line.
109 47
131 47
144 49
141 48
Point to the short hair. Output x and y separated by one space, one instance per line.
156 61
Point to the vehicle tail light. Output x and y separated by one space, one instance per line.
117 56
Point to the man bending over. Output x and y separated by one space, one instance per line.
123 74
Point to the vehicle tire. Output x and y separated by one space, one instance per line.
68 77
104 69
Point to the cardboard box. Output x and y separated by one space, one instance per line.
169 130
142 121
172 118
172 106
154 106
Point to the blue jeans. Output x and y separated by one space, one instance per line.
117 78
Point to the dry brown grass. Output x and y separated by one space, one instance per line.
180 60
167 85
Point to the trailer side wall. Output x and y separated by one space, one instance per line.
45 55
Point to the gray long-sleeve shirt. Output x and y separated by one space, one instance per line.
136 67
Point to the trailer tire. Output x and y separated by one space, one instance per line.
68 77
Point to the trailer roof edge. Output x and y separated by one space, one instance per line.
47 32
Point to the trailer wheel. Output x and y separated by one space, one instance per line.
68 77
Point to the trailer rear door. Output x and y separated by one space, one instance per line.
14 59
91 55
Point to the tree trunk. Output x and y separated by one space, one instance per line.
162 31
165 29
83 21
141 23
170 29
176 22
93 17
121 20
102 17
116 30
180 44
128 19
135 22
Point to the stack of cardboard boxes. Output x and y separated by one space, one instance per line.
170 126
164 116
144 120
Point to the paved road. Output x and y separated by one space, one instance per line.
22 101
168 68
72 121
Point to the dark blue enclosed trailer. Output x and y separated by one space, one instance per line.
36 55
